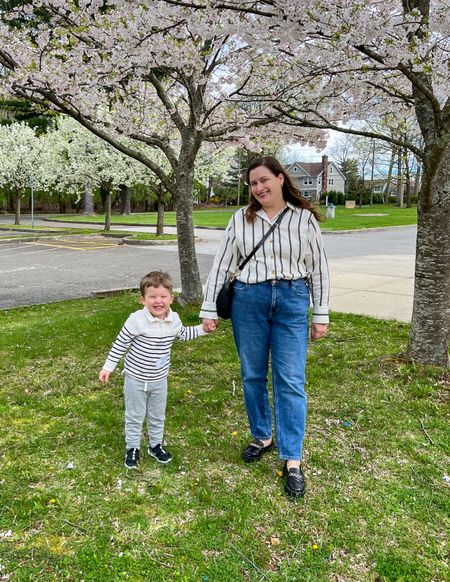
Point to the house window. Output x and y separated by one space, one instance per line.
295 169
319 180
330 181
331 169
307 181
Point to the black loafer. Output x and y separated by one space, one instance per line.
295 481
255 451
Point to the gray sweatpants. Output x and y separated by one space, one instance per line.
144 399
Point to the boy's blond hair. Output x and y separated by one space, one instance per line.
155 279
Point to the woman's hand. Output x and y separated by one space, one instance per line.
318 330
210 325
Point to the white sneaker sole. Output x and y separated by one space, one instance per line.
159 460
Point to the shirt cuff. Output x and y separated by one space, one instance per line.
200 330
208 310
320 314
110 366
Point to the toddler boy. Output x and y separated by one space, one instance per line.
148 335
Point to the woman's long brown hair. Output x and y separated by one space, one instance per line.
290 192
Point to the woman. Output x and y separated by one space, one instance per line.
270 309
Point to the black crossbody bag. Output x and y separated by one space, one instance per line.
225 296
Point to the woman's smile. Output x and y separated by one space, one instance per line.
267 188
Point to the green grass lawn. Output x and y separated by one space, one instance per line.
376 508
378 215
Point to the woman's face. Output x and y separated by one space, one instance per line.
266 187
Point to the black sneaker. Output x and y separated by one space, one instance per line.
132 459
160 454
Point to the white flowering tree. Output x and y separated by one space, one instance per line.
20 155
343 63
78 161
141 74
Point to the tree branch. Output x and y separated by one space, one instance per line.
69 110
170 107
330 125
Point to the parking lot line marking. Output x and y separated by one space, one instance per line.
59 246
87 243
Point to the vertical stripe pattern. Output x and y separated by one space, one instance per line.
293 251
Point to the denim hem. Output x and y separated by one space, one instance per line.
284 458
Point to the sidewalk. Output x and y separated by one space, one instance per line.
379 285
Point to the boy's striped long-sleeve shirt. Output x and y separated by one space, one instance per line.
147 341
294 250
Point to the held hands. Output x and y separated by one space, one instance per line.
210 325
103 376
318 330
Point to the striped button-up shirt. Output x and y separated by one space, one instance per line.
149 340
294 250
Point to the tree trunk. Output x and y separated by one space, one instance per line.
417 178
62 204
209 193
88 199
160 220
372 173
400 184
17 209
408 178
192 291
389 177
107 210
430 324
125 197
363 186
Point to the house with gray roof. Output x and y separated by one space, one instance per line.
317 178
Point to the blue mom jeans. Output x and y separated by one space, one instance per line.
272 318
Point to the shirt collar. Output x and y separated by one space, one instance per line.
264 216
152 318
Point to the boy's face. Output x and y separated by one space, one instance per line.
157 300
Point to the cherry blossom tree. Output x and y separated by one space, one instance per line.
78 161
343 63
141 74
20 153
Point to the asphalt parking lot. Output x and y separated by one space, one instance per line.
34 272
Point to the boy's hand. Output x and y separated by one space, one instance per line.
210 325
318 330
104 376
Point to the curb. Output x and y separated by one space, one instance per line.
367 229
113 292
128 224
129 239
137 242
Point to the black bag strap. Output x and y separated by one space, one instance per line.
261 242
